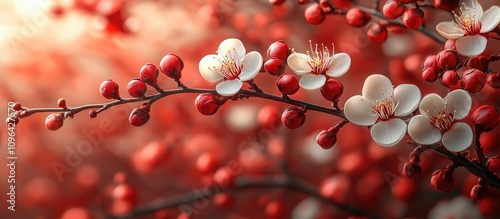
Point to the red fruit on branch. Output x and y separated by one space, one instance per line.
429 74
450 79
288 84
61 103
493 164
393 9
411 169
171 65
314 14
332 90
207 104
139 116
136 88
54 121
431 62
474 80
149 74
224 177
377 33
109 89
442 180
480 63
293 117
326 138
447 59
17 106
494 79
274 66
279 50
413 18
450 45
357 18
485 118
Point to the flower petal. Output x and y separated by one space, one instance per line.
358 110
232 48
431 105
449 30
312 82
251 66
340 65
206 65
471 8
298 63
459 102
229 87
377 87
458 138
491 18
471 45
388 133
422 132
407 96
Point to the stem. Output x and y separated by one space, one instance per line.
477 146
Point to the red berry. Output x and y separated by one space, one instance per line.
377 33
447 5
61 103
136 88
279 50
276 2
224 177
77 213
207 104
411 169
223 200
332 90
276 210
326 139
485 118
450 79
149 74
92 114
494 164
314 14
474 80
431 61
288 84
447 59
357 18
269 117
109 89
293 117
139 116
393 9
450 45
54 121
125 192
274 66
478 192
413 18
206 163
494 79
442 180
480 63
301 2
171 65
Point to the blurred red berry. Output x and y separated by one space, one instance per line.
224 177
206 163
494 79
279 50
474 80
223 200
480 63
276 2
276 210
61 103
450 79
274 66
314 14
54 121
293 117
332 90
76 213
447 59
447 5
288 84
335 188
326 139
109 89
413 18
442 180
171 65
393 9
301 2
207 104
478 192
149 74
494 164
377 33
136 88
485 117
184 215
125 192
139 116
269 117
357 18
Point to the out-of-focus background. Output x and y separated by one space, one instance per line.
65 48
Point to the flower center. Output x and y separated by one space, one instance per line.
443 121
468 19
230 64
319 61
385 107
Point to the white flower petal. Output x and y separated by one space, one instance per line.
312 82
358 110
422 132
432 105
229 87
377 87
232 48
449 30
407 96
459 102
471 45
251 66
388 133
298 63
340 65
474 8
458 138
491 18
206 64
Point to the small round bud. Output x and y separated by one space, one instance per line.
447 59
474 80
54 121
139 116
276 2
493 164
377 33
450 45
431 62
206 163
288 84
450 79
413 18
149 74
223 200
485 118
332 90
393 9
447 5
224 177
109 89
61 103
17 106
274 66
326 139
293 117
411 169
125 192
92 114
207 104
478 192
314 14
480 63
171 65
357 18
136 88
276 210
494 79
279 50
442 180
429 74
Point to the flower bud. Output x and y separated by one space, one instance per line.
171 65
278 50
377 33
431 62
274 66
494 79
207 104
276 2
326 138
61 103
293 117
413 18
288 84
447 59
109 89
429 74
17 106
139 116
478 192
442 180
479 62
357 18
450 45
474 80
332 90
136 88
411 169
393 9
149 74
224 177
314 14
54 121
92 114
450 79
447 5
493 164
485 118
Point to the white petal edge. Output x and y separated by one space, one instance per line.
388 133
312 82
458 138
251 66
340 65
229 87
422 132
358 110
478 9
459 102
431 105
228 47
377 87
491 18
407 96
298 63
210 62
471 46
449 31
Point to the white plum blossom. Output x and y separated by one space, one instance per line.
316 66
232 65
437 121
380 106
469 27
460 207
